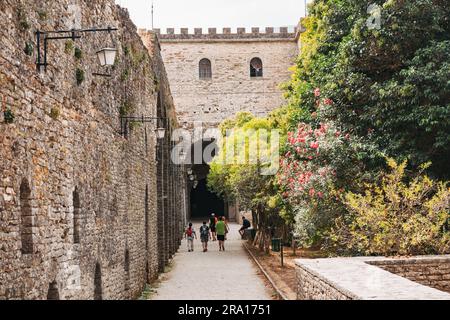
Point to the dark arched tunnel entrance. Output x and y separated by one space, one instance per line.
202 201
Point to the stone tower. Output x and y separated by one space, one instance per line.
213 76
210 74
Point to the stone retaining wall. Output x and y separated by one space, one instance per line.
311 286
370 278
427 271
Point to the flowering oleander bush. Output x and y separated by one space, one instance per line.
395 217
318 166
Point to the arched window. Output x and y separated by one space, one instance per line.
76 216
26 229
53 292
256 68
127 269
205 69
146 216
98 292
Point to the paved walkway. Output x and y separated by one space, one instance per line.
213 275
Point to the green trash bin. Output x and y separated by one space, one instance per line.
276 244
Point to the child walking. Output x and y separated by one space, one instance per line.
190 234
205 235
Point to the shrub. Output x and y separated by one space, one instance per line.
54 113
8 116
79 76
394 217
68 46
317 167
28 50
78 53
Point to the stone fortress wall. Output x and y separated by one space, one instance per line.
230 89
79 210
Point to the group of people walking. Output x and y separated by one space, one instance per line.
216 230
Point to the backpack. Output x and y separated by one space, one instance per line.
246 223
189 232
204 231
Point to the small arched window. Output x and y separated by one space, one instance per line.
26 228
146 216
53 292
98 291
76 215
205 69
256 68
127 269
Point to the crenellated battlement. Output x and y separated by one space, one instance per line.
192 34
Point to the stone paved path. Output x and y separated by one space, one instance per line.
213 275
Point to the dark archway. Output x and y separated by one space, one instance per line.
146 216
76 215
202 201
98 292
53 292
127 269
26 228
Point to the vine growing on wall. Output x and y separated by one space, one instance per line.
8 116
80 76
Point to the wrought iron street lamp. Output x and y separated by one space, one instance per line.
125 121
161 133
107 56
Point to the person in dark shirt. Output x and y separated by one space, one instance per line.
212 225
245 225
205 235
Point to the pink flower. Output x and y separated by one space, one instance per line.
347 136
328 102
337 134
317 92
320 194
314 145
312 192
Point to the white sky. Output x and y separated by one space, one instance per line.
215 13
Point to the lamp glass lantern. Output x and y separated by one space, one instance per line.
161 132
183 154
107 56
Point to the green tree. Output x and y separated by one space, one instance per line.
233 174
390 82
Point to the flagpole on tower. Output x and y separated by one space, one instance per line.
152 14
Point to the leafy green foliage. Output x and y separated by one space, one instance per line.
79 75
8 116
396 218
28 50
78 53
68 46
390 82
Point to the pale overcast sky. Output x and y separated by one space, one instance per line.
215 13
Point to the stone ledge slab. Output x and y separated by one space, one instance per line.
359 278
